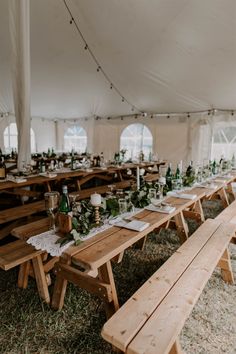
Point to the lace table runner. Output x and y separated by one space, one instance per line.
46 241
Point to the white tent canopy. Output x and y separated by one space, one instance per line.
163 55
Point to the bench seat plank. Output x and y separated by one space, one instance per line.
16 253
159 333
21 211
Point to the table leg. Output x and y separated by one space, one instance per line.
59 290
182 227
198 209
223 196
106 275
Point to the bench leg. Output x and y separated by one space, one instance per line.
40 278
23 275
106 275
176 348
226 267
182 227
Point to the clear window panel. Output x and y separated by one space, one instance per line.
136 138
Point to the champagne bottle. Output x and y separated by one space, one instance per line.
169 177
64 206
2 169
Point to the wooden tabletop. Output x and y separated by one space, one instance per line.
73 174
104 246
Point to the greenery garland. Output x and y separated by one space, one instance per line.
84 220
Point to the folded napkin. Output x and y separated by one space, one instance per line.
208 186
48 175
136 225
17 179
181 195
166 209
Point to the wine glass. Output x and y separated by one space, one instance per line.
51 205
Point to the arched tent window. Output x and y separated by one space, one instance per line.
136 138
75 138
223 142
11 138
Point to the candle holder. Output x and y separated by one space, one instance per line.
97 215
96 200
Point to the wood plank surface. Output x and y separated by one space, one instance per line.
155 337
142 304
21 211
15 253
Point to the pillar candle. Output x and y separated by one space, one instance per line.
138 178
96 199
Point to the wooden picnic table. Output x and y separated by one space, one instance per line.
80 176
95 254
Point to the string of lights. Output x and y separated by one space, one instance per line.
100 68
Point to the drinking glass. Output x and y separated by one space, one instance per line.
152 193
51 205
122 205
120 193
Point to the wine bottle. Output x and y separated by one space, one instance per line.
42 167
2 169
189 171
214 168
64 206
73 167
169 177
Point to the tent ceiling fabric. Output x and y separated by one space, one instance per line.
163 55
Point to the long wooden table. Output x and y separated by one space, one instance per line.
81 176
95 255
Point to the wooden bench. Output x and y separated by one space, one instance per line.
85 193
21 211
30 260
151 320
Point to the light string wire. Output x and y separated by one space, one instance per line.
99 67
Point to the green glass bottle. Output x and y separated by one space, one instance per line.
64 206
169 177
214 168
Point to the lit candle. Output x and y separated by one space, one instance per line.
138 178
96 199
